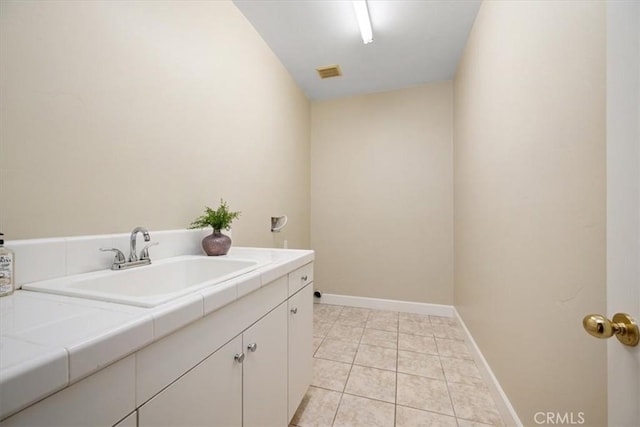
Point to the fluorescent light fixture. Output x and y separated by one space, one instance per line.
362 13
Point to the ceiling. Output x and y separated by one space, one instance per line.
414 41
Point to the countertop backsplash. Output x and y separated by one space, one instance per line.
42 259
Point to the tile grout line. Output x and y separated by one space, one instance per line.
395 407
433 379
341 394
357 395
348 375
453 408
447 337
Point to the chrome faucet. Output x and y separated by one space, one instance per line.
119 260
134 235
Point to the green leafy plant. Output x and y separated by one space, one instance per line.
219 219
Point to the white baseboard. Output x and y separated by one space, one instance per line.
388 304
504 405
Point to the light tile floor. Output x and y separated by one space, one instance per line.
383 368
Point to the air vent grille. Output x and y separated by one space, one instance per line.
329 71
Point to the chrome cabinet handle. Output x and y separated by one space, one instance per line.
252 347
294 310
239 357
303 278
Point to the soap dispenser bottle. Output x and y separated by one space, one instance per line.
7 284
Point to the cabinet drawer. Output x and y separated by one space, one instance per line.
300 277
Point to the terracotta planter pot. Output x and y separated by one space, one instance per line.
216 244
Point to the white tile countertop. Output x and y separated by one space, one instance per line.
48 342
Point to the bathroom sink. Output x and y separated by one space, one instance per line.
149 285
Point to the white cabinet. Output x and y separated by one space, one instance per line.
104 398
264 382
192 377
209 394
161 363
243 383
300 346
300 277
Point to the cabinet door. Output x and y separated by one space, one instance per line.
300 277
265 371
103 398
209 394
300 346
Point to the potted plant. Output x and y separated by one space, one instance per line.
219 219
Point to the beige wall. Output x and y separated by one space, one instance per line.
529 155
117 114
381 194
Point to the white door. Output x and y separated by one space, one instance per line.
623 204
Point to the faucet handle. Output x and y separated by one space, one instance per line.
119 256
144 253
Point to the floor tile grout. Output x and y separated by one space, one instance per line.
395 408
352 318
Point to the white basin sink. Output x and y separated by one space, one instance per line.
149 285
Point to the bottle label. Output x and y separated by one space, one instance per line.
5 267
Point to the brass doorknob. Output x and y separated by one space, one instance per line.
623 326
